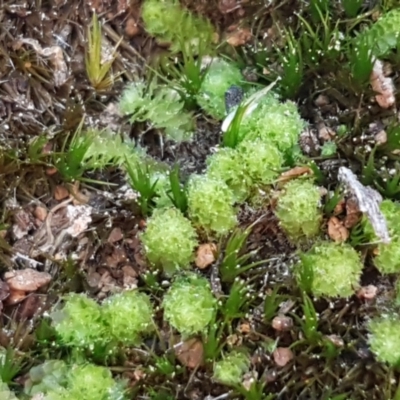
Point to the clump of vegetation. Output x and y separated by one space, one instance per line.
220 76
330 269
89 382
226 165
384 339
273 122
210 204
261 161
80 322
189 305
6 393
231 368
387 258
169 240
249 165
299 210
170 23
161 106
46 377
128 315
383 35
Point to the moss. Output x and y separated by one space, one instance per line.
220 76
169 240
384 339
231 368
332 269
189 304
210 203
299 209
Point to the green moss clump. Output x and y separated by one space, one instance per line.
230 370
383 36
220 76
330 269
80 323
299 209
161 106
128 315
274 122
169 240
91 382
210 204
170 23
388 258
261 161
226 165
189 304
384 339
46 377
6 393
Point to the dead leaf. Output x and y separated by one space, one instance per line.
282 356
26 280
383 86
190 353
115 235
353 214
205 255
16 296
60 193
129 277
336 230
239 37
295 173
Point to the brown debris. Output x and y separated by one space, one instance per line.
205 255
336 230
40 213
294 173
60 192
131 28
26 280
115 235
238 36
383 86
282 356
190 353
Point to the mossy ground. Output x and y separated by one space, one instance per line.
108 254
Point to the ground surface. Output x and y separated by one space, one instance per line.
106 253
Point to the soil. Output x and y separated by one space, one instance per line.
104 253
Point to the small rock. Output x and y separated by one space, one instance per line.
336 340
321 101
16 296
131 28
325 133
190 353
26 280
205 255
282 323
381 137
368 292
40 213
282 356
